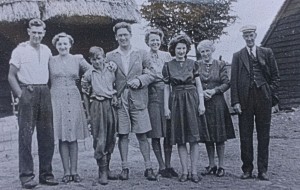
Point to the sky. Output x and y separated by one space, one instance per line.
256 12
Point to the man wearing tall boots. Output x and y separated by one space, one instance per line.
28 77
254 83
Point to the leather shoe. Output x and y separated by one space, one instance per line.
124 175
183 178
29 184
172 172
76 178
165 173
66 179
220 172
209 170
195 178
48 181
112 176
246 175
263 176
149 174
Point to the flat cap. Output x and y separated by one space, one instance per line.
248 28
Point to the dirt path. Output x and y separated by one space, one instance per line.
284 167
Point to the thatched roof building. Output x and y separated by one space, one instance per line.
283 37
90 22
70 10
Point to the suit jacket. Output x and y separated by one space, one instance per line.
240 75
139 60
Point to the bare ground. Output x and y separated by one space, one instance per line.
284 167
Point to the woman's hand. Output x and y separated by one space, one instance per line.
167 113
206 95
237 108
134 83
201 109
209 93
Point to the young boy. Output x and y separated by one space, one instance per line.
99 98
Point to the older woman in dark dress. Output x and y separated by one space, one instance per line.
153 39
215 82
186 105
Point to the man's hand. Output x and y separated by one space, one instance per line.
135 83
237 108
114 100
167 113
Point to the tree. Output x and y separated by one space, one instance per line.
200 19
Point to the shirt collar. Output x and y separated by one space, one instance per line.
132 49
253 49
99 71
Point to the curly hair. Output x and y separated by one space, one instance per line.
122 25
62 35
181 38
153 31
206 44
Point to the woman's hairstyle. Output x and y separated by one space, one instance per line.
36 22
153 31
62 35
181 38
95 50
206 44
122 25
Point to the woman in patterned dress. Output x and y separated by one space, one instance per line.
69 119
153 39
215 81
187 109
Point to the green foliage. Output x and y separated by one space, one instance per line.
200 20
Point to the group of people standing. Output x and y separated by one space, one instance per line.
153 94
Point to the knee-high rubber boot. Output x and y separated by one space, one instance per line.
110 174
103 171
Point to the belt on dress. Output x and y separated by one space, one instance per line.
184 87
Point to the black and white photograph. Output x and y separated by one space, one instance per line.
150 94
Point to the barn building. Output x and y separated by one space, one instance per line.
283 37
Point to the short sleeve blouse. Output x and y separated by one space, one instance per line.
180 73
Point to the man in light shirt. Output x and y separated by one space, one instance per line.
28 77
254 83
132 91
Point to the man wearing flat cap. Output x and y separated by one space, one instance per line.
254 83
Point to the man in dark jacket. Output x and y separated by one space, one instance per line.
254 83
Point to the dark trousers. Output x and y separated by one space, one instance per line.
260 107
35 110
104 126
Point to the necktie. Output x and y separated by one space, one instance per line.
252 55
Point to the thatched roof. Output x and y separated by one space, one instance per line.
182 1
82 10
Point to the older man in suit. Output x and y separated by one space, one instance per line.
254 82
132 91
